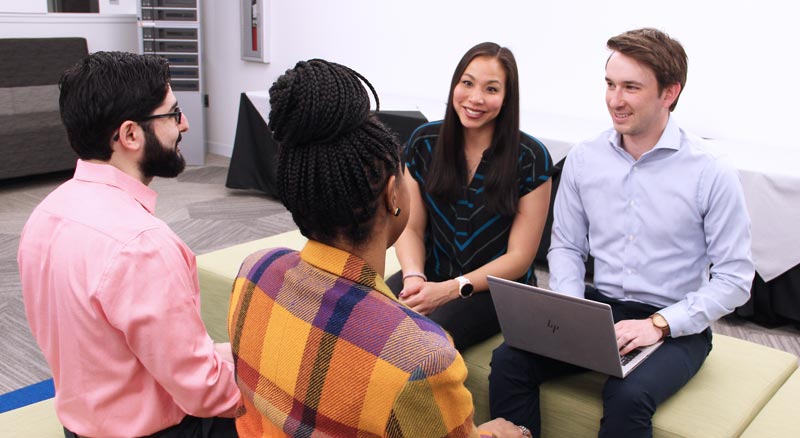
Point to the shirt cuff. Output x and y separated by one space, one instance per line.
677 318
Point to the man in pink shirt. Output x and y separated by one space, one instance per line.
111 293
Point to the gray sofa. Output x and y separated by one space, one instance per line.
32 138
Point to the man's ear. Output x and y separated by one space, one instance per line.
670 94
130 136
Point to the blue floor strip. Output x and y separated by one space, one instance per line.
27 395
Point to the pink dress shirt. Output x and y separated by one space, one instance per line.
112 298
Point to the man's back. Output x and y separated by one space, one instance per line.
111 295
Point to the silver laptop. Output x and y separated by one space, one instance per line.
562 327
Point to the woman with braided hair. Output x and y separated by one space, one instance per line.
321 345
480 192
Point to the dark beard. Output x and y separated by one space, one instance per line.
160 161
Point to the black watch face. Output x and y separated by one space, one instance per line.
466 290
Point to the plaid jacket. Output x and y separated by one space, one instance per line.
322 347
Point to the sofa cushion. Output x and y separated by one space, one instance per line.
6 102
31 123
34 99
734 384
37 61
34 143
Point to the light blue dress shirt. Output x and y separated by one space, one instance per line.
658 228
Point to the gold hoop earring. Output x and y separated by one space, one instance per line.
396 211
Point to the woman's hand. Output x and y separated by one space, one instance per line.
428 296
411 286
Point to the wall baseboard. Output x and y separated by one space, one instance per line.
223 149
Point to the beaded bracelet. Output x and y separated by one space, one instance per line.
415 274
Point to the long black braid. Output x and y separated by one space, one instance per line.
334 157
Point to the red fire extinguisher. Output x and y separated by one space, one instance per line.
254 25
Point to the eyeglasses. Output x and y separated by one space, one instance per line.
177 115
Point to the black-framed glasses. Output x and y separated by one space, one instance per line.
177 115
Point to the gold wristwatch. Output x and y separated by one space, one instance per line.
660 323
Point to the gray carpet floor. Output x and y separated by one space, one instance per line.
207 216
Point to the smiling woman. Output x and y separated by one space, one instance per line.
480 191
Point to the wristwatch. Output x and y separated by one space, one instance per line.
660 323
464 287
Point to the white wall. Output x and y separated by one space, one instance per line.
114 28
101 32
118 6
27 7
40 6
743 66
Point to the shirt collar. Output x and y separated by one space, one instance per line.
670 138
344 264
111 176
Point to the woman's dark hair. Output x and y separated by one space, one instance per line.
448 175
335 158
103 90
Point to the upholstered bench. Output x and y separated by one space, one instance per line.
743 389
737 381
781 416
37 420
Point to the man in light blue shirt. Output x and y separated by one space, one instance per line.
668 229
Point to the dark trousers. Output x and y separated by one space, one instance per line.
628 404
469 321
190 427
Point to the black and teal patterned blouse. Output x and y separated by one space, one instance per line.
464 236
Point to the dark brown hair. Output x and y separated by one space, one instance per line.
655 49
104 89
448 174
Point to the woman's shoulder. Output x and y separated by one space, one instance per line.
265 257
425 131
531 143
533 149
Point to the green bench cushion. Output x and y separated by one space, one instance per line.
731 388
35 420
734 384
781 416
739 381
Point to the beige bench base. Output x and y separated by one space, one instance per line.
737 380
734 385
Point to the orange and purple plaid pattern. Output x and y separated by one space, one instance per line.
322 348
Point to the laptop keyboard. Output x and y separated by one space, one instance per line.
629 357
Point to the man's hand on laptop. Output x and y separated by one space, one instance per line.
635 333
